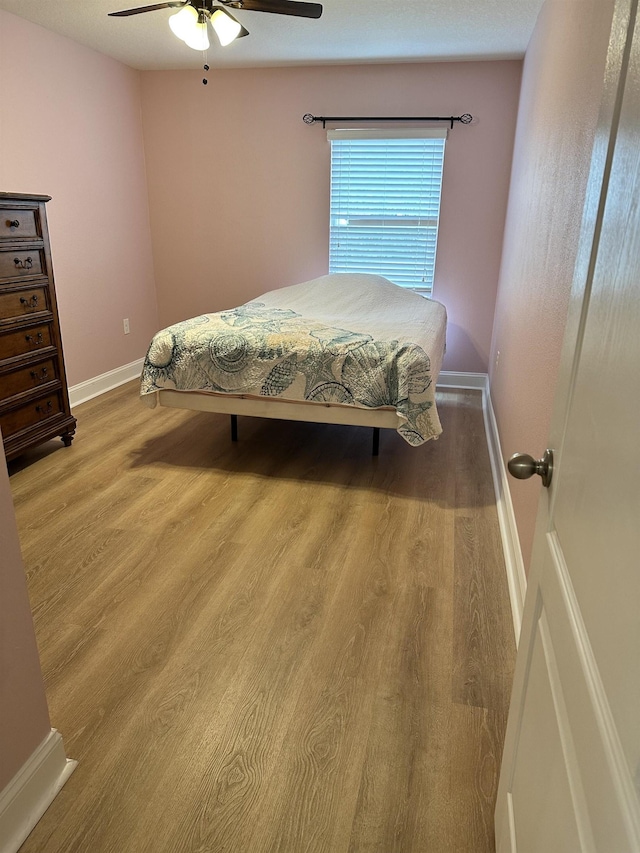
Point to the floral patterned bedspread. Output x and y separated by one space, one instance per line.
262 350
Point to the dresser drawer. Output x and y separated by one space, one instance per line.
24 341
20 263
30 414
21 303
19 224
27 378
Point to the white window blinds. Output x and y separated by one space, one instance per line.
385 203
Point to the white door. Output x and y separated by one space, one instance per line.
570 778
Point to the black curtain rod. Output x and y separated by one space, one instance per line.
307 118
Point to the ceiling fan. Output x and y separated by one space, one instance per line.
190 23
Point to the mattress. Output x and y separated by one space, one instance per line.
352 340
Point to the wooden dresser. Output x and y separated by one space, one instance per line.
34 401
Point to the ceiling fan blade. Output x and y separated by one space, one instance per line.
171 4
280 7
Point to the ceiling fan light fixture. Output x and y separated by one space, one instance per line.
198 37
183 22
226 27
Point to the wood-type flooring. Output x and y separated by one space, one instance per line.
279 645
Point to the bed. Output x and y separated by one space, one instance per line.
343 348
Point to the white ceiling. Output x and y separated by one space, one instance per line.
349 31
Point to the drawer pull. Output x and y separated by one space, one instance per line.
31 302
42 410
13 223
23 265
30 339
43 377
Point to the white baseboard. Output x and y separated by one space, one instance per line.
516 577
113 378
32 790
464 381
105 382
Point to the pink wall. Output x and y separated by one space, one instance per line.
239 185
561 92
71 128
23 707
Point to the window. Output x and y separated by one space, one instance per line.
385 203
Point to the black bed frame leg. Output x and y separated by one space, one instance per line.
376 441
234 427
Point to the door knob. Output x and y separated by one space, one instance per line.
522 466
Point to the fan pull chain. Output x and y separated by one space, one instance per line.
205 57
